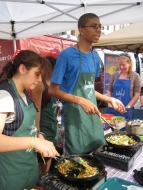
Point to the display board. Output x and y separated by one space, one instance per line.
110 66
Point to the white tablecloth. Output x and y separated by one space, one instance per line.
113 172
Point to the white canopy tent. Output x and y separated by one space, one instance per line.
28 18
128 39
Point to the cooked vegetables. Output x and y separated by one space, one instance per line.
121 140
66 166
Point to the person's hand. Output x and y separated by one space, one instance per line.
117 105
89 107
46 148
141 101
41 136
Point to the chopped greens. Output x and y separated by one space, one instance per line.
67 165
121 140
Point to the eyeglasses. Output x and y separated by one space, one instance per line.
95 27
125 54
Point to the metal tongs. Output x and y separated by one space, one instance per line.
116 131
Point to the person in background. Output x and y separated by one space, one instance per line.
141 99
48 106
73 82
18 132
124 85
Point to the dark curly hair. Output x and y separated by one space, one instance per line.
26 57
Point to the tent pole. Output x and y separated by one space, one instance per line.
14 44
137 51
13 34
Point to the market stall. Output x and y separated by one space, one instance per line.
123 39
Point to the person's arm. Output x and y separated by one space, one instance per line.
87 106
110 87
133 100
109 93
10 143
141 101
37 98
136 90
116 104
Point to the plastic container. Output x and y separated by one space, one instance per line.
120 122
107 116
141 137
132 187
116 184
120 119
105 126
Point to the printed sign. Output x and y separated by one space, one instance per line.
110 66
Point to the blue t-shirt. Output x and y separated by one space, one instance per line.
67 68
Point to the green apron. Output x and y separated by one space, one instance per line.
19 169
83 133
48 121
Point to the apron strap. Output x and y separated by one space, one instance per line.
81 58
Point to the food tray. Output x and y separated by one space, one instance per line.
141 137
116 183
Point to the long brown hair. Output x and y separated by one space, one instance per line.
130 62
49 63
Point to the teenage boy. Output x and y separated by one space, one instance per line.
73 82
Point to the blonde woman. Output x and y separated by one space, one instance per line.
124 85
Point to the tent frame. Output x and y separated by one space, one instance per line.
60 12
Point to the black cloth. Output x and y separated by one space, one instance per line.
139 176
